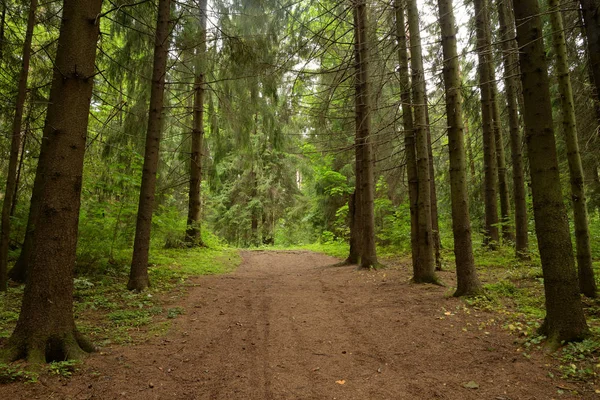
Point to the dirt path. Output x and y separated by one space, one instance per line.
287 325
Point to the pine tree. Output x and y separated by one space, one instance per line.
46 328
425 270
467 281
492 236
587 282
511 84
11 181
138 276
564 320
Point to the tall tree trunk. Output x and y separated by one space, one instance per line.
368 255
15 146
138 276
511 71
354 203
467 280
425 271
435 225
507 235
409 132
194 233
591 18
2 28
564 313
492 236
587 282
46 328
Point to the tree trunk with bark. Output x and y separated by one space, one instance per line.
587 282
194 234
435 224
354 252
15 146
425 271
46 328
409 131
564 320
2 29
591 18
138 276
368 255
511 84
468 283
492 236
507 235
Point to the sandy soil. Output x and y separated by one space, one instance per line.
289 325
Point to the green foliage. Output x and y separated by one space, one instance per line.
174 312
15 373
134 318
64 368
579 360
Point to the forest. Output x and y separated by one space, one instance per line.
454 145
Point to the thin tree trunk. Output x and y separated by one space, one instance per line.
15 146
564 320
354 202
591 18
425 271
368 255
507 235
435 225
193 233
467 280
470 153
409 132
511 71
587 282
2 29
492 237
138 277
13 203
46 328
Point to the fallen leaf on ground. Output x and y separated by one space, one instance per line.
471 385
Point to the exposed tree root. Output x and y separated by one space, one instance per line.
468 292
434 280
40 350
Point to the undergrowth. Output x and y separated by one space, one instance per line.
107 313
514 290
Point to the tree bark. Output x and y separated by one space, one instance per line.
591 18
409 131
435 225
587 282
564 320
138 276
15 147
468 283
2 29
507 235
194 233
368 255
425 271
46 328
511 72
354 252
492 236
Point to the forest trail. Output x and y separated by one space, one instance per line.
289 325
